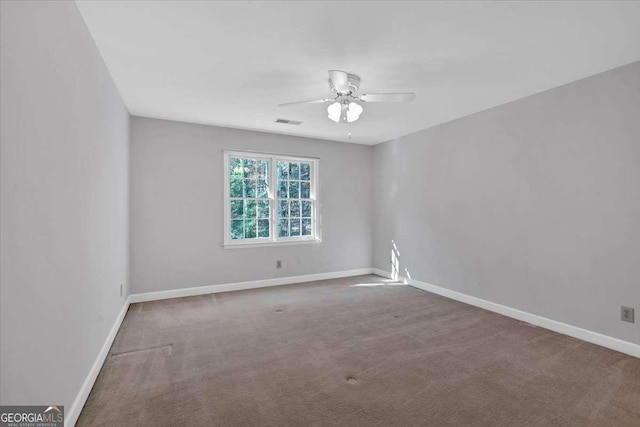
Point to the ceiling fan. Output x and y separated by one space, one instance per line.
345 105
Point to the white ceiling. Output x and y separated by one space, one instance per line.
231 63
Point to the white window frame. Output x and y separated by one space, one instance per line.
274 240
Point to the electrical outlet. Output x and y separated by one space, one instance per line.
120 290
626 314
278 264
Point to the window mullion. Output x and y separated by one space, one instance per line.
273 214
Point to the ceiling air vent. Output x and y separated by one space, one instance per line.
288 122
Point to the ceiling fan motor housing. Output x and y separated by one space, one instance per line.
354 84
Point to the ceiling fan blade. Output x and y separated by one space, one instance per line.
340 81
317 101
387 97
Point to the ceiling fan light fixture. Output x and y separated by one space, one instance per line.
335 111
346 106
353 112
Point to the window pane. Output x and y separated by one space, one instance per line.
263 169
263 208
249 209
294 189
306 226
237 229
263 228
283 170
235 187
250 229
262 189
305 190
294 208
283 209
235 168
236 209
294 226
249 188
283 228
249 168
306 209
294 170
305 171
282 190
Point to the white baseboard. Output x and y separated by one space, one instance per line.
72 415
212 289
553 325
381 273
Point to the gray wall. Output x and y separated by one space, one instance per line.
534 204
177 207
64 202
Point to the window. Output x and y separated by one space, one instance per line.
270 199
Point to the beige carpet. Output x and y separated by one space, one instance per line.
340 353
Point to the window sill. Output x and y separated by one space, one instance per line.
271 244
